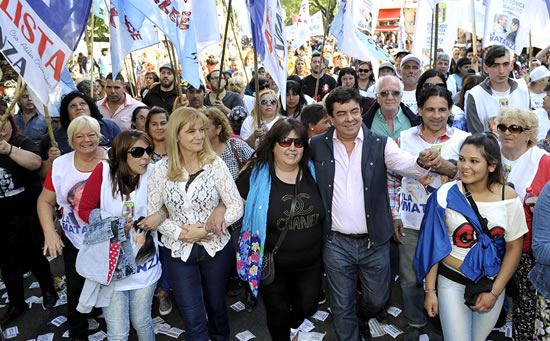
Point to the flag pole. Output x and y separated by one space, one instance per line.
134 73
436 35
530 50
322 49
237 42
128 74
256 89
220 74
21 86
92 61
474 38
432 39
50 129
176 70
169 49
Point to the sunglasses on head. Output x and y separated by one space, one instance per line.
386 93
429 85
263 87
514 128
363 70
138 152
288 141
268 101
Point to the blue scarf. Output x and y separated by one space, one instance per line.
253 231
483 259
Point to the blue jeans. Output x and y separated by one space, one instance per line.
345 259
458 321
198 286
134 305
412 291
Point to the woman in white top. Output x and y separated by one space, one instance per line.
270 112
454 249
190 183
64 185
119 186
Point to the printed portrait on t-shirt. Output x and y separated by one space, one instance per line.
73 198
142 245
7 187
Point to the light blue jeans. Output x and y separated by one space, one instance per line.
459 322
134 305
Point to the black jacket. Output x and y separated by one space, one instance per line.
163 99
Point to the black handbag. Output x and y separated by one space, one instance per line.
268 259
485 284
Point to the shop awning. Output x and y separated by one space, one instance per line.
387 28
389 14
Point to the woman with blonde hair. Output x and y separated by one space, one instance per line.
300 67
191 182
527 167
270 112
238 85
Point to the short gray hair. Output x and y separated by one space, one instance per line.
444 57
388 77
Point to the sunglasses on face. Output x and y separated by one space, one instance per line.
268 101
138 152
514 128
364 70
287 142
429 85
386 93
263 87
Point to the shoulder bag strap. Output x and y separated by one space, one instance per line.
236 153
482 220
290 216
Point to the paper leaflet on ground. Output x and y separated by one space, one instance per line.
306 326
393 330
376 328
310 336
245 336
59 320
237 306
11 332
394 311
320 315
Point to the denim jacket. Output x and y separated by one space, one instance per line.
540 274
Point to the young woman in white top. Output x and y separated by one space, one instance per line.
270 112
191 182
447 235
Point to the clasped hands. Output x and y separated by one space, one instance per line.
430 158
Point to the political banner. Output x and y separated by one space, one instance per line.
243 18
351 41
365 15
466 22
449 14
402 33
508 22
37 38
302 26
100 9
269 37
539 28
316 27
178 19
290 32
129 31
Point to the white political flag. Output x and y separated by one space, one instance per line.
365 14
302 26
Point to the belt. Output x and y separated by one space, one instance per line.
454 276
355 236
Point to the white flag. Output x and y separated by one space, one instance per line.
302 26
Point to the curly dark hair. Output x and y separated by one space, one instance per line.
64 107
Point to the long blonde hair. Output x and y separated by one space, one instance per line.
277 110
178 119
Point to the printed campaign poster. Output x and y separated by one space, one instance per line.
507 23
365 14
449 16
316 24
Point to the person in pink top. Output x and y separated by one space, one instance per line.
117 104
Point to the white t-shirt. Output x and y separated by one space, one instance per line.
409 99
537 100
544 123
247 129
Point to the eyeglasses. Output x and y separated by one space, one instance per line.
363 70
514 128
138 152
386 93
429 85
285 142
268 101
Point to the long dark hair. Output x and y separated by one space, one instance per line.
295 87
122 179
64 107
487 143
153 112
283 127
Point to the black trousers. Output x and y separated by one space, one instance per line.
21 248
78 322
291 298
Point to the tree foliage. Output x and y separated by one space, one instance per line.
293 7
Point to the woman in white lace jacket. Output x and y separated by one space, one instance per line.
191 182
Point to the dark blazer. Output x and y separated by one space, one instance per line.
373 171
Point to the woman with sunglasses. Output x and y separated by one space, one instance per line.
191 183
281 193
365 75
64 186
456 247
269 113
525 166
118 186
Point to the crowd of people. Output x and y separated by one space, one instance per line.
431 174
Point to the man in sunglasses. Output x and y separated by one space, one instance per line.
484 101
358 225
225 99
410 73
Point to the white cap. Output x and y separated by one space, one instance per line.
539 73
410 57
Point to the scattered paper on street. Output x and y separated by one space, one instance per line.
237 306
394 311
393 330
11 332
310 336
245 336
59 320
306 326
320 315
376 328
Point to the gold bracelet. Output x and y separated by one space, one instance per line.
430 290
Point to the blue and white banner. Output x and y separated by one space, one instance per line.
37 38
100 9
129 31
65 85
402 34
316 24
351 41
178 20
269 37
